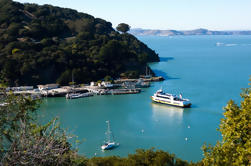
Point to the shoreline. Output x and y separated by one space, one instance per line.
120 86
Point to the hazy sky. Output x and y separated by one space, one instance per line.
165 14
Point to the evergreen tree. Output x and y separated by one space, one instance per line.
122 27
235 147
23 141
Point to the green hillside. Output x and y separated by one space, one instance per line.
46 44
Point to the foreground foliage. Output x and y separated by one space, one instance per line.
142 157
47 44
15 110
49 146
235 147
24 142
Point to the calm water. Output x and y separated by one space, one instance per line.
209 75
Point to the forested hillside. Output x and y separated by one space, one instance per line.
46 44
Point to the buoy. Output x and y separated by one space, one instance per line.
142 131
188 126
186 138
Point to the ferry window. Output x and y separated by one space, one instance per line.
164 97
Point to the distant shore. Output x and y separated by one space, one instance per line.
157 32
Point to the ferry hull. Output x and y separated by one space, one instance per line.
171 104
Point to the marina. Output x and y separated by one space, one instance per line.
120 87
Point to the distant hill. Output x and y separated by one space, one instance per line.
145 32
47 44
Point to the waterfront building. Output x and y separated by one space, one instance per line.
47 86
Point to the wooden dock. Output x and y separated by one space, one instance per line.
124 91
115 90
152 79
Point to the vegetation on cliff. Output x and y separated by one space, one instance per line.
45 44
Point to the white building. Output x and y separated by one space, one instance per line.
106 84
47 86
20 88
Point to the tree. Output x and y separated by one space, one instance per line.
39 145
24 142
16 109
122 27
108 78
235 147
142 157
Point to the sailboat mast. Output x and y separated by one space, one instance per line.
72 77
146 70
108 133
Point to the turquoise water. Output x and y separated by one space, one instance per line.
207 74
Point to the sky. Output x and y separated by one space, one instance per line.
165 14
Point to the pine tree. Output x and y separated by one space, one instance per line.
235 147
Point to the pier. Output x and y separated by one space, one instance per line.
152 79
125 91
119 87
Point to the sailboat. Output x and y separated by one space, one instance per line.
109 143
148 73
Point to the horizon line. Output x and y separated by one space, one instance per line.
190 29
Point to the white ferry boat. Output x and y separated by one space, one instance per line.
170 99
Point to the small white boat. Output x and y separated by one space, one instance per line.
77 95
109 143
108 146
3 104
141 84
170 99
219 44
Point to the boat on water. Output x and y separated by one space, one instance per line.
77 95
170 99
3 104
109 142
148 74
219 44
141 84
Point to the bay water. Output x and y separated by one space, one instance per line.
209 70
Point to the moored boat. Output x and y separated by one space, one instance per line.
3 104
77 95
170 99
